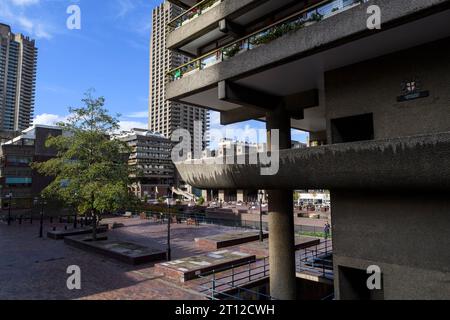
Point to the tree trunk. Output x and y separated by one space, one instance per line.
94 226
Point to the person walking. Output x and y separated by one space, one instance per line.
327 230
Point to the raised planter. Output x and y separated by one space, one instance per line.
61 234
191 268
261 249
126 252
225 240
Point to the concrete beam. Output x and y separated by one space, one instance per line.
247 97
230 28
240 115
256 103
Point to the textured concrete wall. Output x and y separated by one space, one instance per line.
405 234
417 162
373 87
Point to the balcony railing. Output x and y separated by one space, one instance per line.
299 20
193 13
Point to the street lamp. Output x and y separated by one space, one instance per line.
169 250
41 222
261 234
9 196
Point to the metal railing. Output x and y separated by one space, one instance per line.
299 20
201 219
317 260
192 13
228 283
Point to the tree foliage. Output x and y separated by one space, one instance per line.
90 170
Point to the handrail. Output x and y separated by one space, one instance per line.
310 9
196 6
232 285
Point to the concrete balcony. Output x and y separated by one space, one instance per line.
409 163
297 60
185 4
212 20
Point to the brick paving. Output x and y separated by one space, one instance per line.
35 269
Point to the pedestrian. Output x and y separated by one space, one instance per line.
327 229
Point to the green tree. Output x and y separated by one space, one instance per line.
90 170
201 201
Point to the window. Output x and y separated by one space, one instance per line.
352 129
353 285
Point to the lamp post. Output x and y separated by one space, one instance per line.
9 196
261 234
41 220
169 250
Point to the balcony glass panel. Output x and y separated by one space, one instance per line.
302 19
193 13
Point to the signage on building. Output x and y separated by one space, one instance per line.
411 91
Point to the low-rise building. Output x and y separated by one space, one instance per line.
17 178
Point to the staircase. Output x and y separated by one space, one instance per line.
188 196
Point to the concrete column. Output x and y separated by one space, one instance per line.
240 195
281 221
222 195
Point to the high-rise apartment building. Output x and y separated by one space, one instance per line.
18 57
164 116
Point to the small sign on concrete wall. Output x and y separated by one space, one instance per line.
411 91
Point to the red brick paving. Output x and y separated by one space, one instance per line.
35 269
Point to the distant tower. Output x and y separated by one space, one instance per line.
164 116
18 57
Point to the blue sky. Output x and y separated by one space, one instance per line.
110 53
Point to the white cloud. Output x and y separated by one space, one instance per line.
24 3
138 115
16 14
124 7
128 125
48 119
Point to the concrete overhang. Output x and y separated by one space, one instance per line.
408 163
205 29
297 61
185 4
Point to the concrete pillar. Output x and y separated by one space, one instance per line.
281 220
240 196
222 195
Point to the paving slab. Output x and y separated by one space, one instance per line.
261 249
191 268
229 239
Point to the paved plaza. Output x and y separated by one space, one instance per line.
34 268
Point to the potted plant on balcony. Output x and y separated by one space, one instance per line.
231 51
315 17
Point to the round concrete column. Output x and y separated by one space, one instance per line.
281 220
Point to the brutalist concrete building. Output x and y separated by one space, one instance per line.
377 100
150 161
